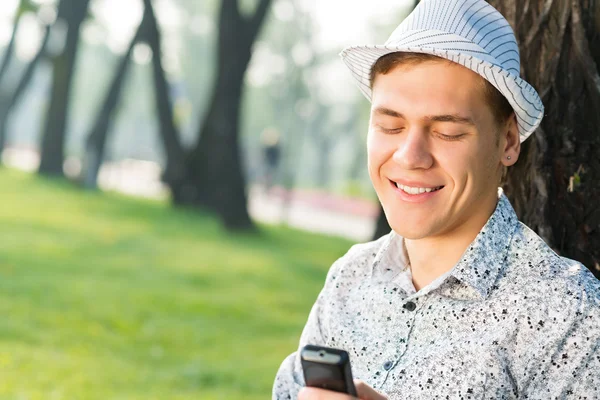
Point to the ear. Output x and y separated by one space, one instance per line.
510 141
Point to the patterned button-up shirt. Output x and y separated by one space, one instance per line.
511 319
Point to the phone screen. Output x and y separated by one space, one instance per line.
328 377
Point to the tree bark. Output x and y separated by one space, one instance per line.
96 141
72 13
8 101
217 180
557 177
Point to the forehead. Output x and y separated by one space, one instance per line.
431 87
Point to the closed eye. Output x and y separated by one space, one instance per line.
390 131
450 138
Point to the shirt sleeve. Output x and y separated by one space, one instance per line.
571 370
581 379
586 381
290 378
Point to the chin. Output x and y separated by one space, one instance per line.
409 229
411 234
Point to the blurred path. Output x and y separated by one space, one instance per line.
307 210
315 212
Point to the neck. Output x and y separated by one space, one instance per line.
433 256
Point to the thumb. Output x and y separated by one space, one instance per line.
365 392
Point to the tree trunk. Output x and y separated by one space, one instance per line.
148 31
557 177
72 13
9 52
217 180
9 101
96 141
175 169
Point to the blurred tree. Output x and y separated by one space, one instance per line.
9 96
95 145
71 13
214 178
359 159
9 99
9 51
557 177
175 169
96 141
294 101
325 141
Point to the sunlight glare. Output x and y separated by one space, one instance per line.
201 25
169 14
142 54
120 18
265 65
29 37
342 23
283 10
7 9
92 33
47 14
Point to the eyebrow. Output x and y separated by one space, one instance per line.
434 118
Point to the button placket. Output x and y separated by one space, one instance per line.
402 345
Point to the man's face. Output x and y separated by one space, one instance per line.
431 131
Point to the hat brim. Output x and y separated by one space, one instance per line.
521 95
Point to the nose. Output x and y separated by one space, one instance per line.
413 150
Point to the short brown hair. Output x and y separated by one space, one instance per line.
500 107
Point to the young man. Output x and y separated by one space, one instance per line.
460 300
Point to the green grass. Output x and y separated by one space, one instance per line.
108 297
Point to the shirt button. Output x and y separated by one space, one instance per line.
387 365
410 306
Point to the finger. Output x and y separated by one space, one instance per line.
365 392
311 393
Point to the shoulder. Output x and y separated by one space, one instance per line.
549 283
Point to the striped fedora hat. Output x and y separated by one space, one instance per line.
471 33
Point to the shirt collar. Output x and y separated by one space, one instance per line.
479 265
485 257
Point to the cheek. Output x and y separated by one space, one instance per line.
457 163
489 160
376 158
470 171
378 149
372 162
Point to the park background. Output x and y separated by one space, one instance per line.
178 175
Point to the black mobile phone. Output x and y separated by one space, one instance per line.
327 368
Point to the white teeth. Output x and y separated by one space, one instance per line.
415 190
